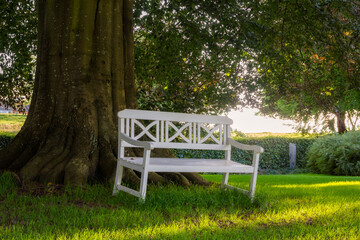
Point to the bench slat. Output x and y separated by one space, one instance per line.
128 190
172 116
191 165
183 146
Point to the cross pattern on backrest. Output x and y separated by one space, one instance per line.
210 133
179 132
195 132
189 132
175 130
145 130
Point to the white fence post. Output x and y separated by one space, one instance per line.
292 155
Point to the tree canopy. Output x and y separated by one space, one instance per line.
309 65
190 55
294 59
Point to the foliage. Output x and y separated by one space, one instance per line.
237 134
189 54
17 51
336 154
308 65
5 139
289 207
276 155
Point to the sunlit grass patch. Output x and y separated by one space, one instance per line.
11 122
8 118
328 184
286 207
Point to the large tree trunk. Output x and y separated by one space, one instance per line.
84 76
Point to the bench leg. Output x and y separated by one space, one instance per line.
225 180
250 193
253 185
254 175
118 178
143 185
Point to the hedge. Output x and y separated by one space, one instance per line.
337 154
276 155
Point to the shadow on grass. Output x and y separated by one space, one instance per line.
92 210
176 212
203 198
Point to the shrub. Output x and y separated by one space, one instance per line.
336 154
5 139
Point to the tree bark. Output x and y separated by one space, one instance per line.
84 76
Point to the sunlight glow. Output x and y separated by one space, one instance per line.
247 122
317 185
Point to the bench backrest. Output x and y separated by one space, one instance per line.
176 130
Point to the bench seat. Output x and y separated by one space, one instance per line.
188 165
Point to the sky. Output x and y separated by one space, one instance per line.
246 122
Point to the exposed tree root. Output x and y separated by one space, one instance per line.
156 178
195 178
77 171
130 176
18 149
177 178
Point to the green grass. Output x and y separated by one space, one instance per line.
11 122
16 119
286 207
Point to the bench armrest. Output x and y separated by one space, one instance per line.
134 142
254 148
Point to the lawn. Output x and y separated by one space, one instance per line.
11 122
286 207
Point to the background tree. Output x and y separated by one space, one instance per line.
296 60
17 51
308 66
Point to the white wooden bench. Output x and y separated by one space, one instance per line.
179 131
